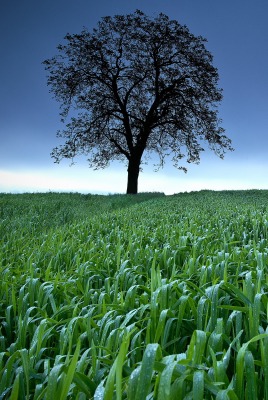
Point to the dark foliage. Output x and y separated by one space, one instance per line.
137 85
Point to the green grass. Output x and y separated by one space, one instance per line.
134 297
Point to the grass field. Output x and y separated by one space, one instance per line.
134 297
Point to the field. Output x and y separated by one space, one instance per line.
134 297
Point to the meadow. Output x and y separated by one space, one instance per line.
134 297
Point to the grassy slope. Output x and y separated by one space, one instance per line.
130 295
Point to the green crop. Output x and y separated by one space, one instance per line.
134 297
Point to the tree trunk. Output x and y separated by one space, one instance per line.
133 175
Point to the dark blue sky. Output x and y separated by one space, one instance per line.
30 30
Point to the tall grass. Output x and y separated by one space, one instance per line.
134 297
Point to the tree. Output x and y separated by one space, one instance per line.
137 86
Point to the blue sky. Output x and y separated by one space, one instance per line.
30 30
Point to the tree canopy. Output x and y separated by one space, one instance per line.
134 86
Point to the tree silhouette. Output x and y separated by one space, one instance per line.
137 85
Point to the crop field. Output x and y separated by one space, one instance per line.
134 297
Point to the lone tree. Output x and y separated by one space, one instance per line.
138 85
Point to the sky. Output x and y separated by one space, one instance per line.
30 30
